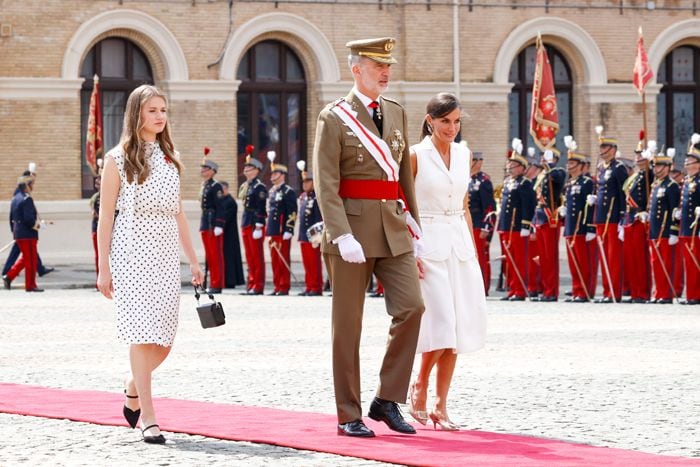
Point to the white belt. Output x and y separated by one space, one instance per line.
446 212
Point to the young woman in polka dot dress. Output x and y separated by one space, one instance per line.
138 251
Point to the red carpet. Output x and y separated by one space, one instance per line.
316 432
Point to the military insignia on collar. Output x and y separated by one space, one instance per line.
398 144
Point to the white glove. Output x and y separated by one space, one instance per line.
672 239
621 233
287 235
642 216
315 245
590 236
697 211
677 213
218 231
257 234
524 232
418 247
591 199
562 211
351 250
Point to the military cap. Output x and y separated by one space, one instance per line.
210 164
578 157
663 159
378 49
516 157
694 146
607 141
25 179
279 168
250 161
478 156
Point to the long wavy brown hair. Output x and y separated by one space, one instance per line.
135 165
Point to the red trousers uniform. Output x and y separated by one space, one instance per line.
515 249
255 259
662 285
548 249
482 253
678 270
577 253
534 277
690 250
28 260
280 271
214 253
97 257
636 260
313 274
613 253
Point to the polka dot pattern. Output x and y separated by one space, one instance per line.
144 256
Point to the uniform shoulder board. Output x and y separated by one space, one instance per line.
586 178
335 102
485 176
391 100
672 182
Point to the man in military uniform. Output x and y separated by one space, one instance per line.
281 217
636 227
253 225
688 215
609 210
211 225
548 189
579 230
310 215
233 265
25 229
361 167
517 209
482 207
678 176
663 228
534 273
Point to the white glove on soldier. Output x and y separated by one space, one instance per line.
351 250
287 235
621 233
590 236
677 213
218 231
562 211
591 199
672 239
642 216
524 232
257 234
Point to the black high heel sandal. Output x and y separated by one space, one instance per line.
157 439
132 416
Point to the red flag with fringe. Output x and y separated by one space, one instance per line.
93 140
544 116
642 71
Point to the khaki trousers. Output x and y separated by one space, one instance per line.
404 304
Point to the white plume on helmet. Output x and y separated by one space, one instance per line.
531 151
271 156
548 155
671 152
652 146
301 165
695 139
570 143
517 145
32 167
599 129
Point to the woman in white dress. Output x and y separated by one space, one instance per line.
138 251
452 285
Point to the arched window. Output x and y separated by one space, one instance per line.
678 103
522 72
272 106
121 67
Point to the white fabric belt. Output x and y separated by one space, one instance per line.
456 212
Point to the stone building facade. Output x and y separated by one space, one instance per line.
194 50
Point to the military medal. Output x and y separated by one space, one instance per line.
398 144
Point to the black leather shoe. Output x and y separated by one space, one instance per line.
604 300
569 293
505 299
37 289
46 271
389 413
355 428
637 300
569 299
281 294
6 282
303 294
213 291
692 301
545 298
376 295
254 292
579 300
664 301
516 298
314 294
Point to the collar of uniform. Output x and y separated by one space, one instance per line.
366 101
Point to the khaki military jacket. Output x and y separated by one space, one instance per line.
379 225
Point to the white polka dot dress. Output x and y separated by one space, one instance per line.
145 256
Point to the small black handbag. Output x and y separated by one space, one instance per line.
211 314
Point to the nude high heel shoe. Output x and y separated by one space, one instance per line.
444 422
421 416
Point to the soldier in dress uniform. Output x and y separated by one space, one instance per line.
482 207
25 229
548 189
688 215
663 227
361 170
253 224
609 210
281 217
678 176
309 215
534 273
514 223
579 230
233 264
211 225
95 208
636 225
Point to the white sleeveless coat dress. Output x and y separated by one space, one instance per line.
453 288
144 256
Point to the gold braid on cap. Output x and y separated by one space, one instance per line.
374 54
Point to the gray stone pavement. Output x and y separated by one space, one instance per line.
624 376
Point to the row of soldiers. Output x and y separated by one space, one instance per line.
268 215
639 228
